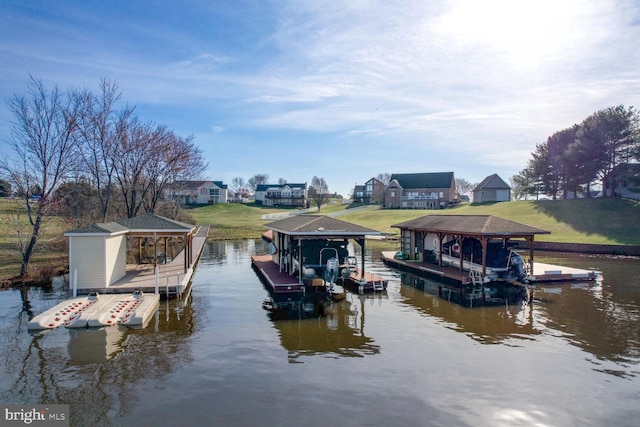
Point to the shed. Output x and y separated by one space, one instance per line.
98 253
492 189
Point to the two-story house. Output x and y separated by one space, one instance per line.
197 192
292 195
433 190
372 192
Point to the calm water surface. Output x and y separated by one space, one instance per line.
403 358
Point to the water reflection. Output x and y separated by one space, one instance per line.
487 325
340 333
95 345
572 357
96 371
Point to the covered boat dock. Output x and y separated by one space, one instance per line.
423 239
442 246
302 245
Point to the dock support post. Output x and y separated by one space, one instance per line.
74 285
157 279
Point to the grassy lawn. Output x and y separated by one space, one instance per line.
51 250
599 221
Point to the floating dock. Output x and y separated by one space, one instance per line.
94 311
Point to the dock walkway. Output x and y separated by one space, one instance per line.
543 273
172 278
283 283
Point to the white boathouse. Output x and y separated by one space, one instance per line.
98 253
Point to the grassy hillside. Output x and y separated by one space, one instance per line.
599 221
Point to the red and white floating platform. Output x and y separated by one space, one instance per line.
95 310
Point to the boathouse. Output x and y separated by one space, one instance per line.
425 237
98 253
302 245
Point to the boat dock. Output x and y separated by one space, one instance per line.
281 282
172 280
132 300
543 273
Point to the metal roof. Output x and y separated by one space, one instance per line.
318 226
473 225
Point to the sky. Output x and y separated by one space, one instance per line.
343 90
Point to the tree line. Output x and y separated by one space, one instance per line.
85 155
572 160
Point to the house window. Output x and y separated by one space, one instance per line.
393 194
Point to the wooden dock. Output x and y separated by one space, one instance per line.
172 279
281 282
543 273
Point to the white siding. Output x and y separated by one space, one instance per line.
115 259
502 195
87 257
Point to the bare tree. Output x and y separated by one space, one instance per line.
319 191
385 178
98 138
43 136
173 159
237 184
257 179
464 187
131 158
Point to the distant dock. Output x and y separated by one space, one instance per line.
543 273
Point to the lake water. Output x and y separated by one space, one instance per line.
404 358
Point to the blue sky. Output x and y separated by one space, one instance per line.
343 90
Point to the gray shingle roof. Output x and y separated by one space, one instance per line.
144 223
493 182
479 225
102 228
150 222
318 225
424 180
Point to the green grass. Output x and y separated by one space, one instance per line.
598 221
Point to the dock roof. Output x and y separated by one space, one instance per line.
150 223
318 226
471 225
141 224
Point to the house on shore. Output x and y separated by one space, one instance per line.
432 190
626 181
197 192
492 189
289 195
372 192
